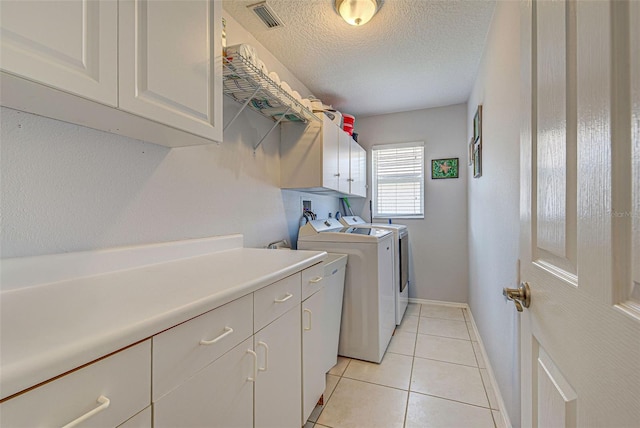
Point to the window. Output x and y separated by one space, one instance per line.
398 180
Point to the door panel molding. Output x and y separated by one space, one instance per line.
555 181
560 400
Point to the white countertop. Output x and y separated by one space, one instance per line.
47 330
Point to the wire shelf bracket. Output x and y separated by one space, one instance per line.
248 85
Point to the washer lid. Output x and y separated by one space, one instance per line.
348 235
351 220
370 231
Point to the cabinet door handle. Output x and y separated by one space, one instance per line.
266 356
255 365
284 299
336 175
227 332
310 314
316 279
104 403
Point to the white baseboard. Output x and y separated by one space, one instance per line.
506 422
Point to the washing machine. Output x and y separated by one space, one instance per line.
400 263
368 305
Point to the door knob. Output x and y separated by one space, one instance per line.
521 296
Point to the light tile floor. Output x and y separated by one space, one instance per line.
432 375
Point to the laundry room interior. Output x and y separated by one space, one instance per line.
93 190
69 188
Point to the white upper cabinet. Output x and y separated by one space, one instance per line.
68 45
316 158
344 146
170 55
330 150
146 69
358 170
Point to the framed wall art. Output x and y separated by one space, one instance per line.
476 143
444 168
477 126
477 160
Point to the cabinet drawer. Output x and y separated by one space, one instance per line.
274 300
123 378
180 352
312 280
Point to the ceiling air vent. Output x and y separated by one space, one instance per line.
266 15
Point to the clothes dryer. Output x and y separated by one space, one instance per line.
400 263
368 310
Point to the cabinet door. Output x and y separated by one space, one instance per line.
344 146
71 45
278 387
220 395
170 56
358 170
330 150
313 351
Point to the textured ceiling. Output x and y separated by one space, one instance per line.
413 54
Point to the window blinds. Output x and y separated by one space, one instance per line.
398 180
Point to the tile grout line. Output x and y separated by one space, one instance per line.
413 358
406 407
448 362
452 400
446 337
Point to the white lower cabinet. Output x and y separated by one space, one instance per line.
106 393
199 380
239 365
313 347
220 395
278 385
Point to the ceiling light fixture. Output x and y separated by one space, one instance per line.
357 12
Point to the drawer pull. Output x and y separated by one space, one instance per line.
315 280
227 332
284 299
310 314
255 365
104 403
266 356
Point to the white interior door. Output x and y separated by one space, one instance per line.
580 200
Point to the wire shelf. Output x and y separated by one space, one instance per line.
247 84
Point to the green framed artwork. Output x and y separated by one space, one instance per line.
444 168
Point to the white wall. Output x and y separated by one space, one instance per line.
439 242
69 188
494 202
